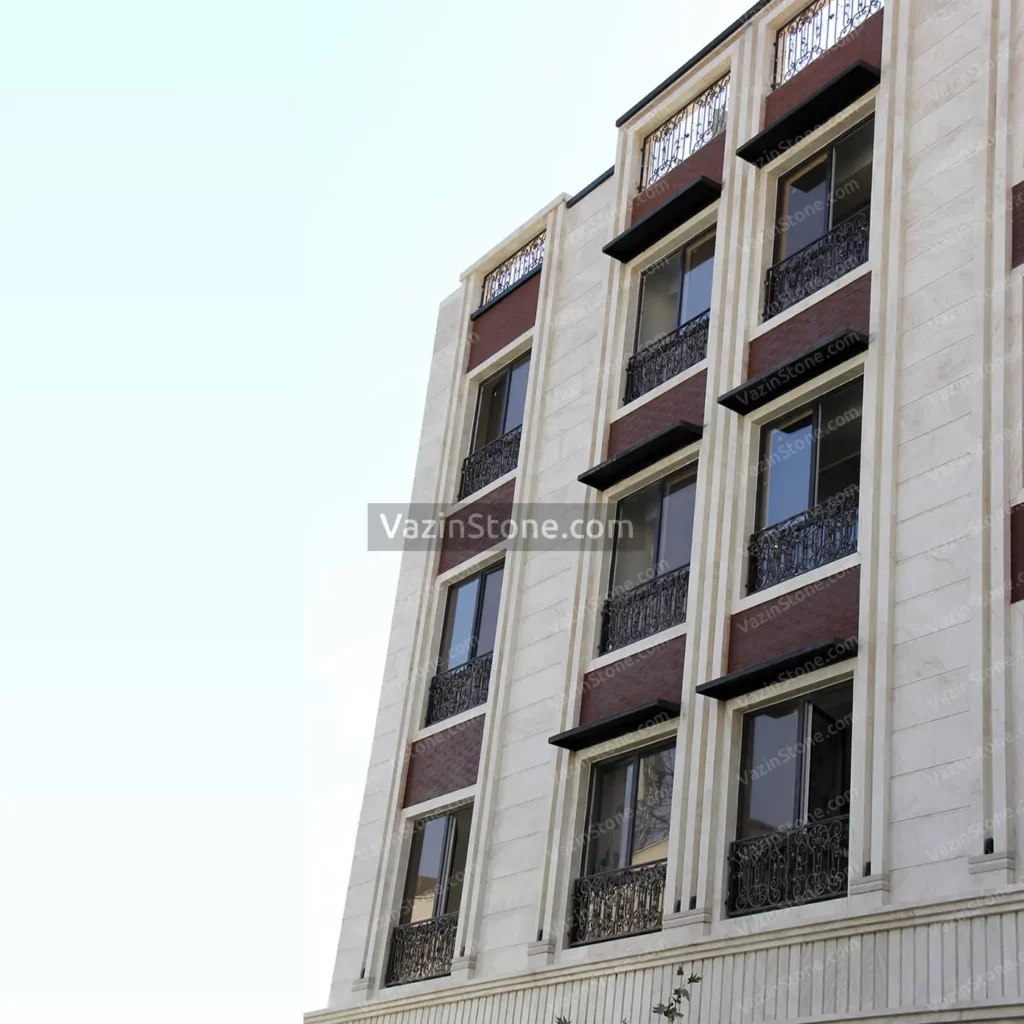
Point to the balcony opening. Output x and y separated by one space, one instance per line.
672 325
651 561
622 883
423 941
467 643
792 830
808 489
494 451
821 230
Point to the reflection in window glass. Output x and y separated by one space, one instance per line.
637 538
659 301
501 402
653 806
699 266
459 843
852 179
460 618
839 441
676 532
771 771
516 396
607 830
786 470
489 612
803 202
426 858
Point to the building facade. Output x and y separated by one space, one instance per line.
767 732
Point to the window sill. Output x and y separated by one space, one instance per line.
806 303
450 723
470 499
840 565
661 389
620 653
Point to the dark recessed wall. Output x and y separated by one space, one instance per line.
505 321
847 309
459 543
683 402
1016 553
1017 225
863 43
654 674
708 161
800 618
444 762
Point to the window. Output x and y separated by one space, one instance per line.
629 811
795 768
654 531
825 191
437 865
470 619
500 404
676 290
810 456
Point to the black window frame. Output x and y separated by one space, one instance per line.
505 371
814 408
681 251
482 575
829 153
632 758
443 890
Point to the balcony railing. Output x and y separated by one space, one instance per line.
805 541
459 689
494 460
645 609
784 869
663 359
422 950
505 275
816 29
818 264
684 133
617 903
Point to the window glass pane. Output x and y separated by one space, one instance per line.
516 396
636 537
426 856
699 267
457 871
489 611
677 522
828 770
803 208
608 825
659 301
786 472
457 636
839 441
852 188
653 806
770 771
490 411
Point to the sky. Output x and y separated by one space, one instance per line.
225 229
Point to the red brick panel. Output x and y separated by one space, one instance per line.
654 674
863 43
683 402
508 318
1017 226
817 612
475 527
847 309
707 161
1016 553
444 762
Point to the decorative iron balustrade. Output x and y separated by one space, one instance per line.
645 609
817 264
660 361
422 950
684 133
495 459
459 689
814 30
786 868
616 903
514 269
805 541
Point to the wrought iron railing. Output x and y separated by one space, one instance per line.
786 868
459 689
684 133
805 541
820 263
645 609
616 903
514 269
495 459
671 354
422 950
814 30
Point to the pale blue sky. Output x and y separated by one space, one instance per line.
225 228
